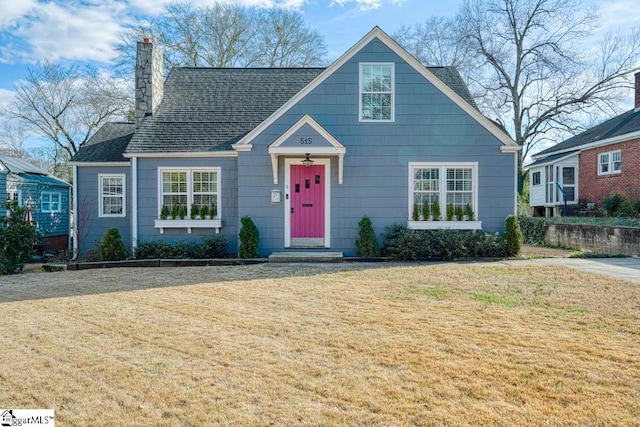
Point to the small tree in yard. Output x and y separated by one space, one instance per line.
111 246
17 237
367 245
512 236
249 238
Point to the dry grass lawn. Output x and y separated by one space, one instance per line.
354 344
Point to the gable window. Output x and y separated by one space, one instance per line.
609 162
191 186
50 202
377 92
445 183
112 195
535 178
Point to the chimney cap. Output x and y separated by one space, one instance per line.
147 40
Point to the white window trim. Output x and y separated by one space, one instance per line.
443 224
10 195
101 213
189 223
539 178
393 92
51 193
610 163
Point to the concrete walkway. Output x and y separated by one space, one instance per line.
620 268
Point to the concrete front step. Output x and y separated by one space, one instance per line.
306 257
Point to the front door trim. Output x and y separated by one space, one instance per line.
288 162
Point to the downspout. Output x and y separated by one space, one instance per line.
134 203
74 189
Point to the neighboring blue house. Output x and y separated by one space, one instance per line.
305 152
47 197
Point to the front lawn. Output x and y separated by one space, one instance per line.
352 344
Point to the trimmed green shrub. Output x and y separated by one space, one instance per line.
211 247
16 239
164 212
533 229
214 246
111 246
469 212
182 212
425 211
204 211
249 239
450 211
154 249
611 204
403 244
435 211
366 244
415 213
512 236
459 213
214 210
194 211
175 211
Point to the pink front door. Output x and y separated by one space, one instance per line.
307 201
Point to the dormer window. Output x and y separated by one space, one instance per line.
377 92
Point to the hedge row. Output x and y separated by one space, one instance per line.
211 247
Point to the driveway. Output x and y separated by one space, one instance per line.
620 268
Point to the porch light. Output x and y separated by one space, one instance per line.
307 161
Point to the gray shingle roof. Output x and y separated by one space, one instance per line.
451 77
208 109
624 123
551 159
107 144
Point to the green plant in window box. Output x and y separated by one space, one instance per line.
164 212
175 211
425 211
459 213
468 212
182 211
204 210
194 211
414 214
435 211
214 210
450 211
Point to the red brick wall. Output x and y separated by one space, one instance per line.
593 188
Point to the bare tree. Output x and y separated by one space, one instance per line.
66 104
538 71
225 35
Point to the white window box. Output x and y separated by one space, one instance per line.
444 225
216 224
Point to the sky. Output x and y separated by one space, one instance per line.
86 31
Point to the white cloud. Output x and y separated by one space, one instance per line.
10 11
619 14
367 4
6 96
154 7
74 31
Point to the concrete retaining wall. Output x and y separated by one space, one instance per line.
595 238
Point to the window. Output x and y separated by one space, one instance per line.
535 178
609 162
569 183
15 195
112 196
376 92
185 187
50 202
447 183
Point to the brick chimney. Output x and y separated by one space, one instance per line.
149 79
638 91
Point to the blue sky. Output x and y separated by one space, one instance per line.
86 30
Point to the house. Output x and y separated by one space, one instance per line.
599 162
304 152
47 197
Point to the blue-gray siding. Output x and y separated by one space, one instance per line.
91 227
428 127
3 193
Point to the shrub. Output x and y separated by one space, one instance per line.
175 211
204 211
425 211
211 247
366 244
214 246
611 204
628 209
435 211
533 229
468 211
182 212
164 212
403 244
111 246
512 236
16 240
415 213
249 238
154 249
450 211
214 210
459 213
194 211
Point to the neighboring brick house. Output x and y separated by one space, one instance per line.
601 161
